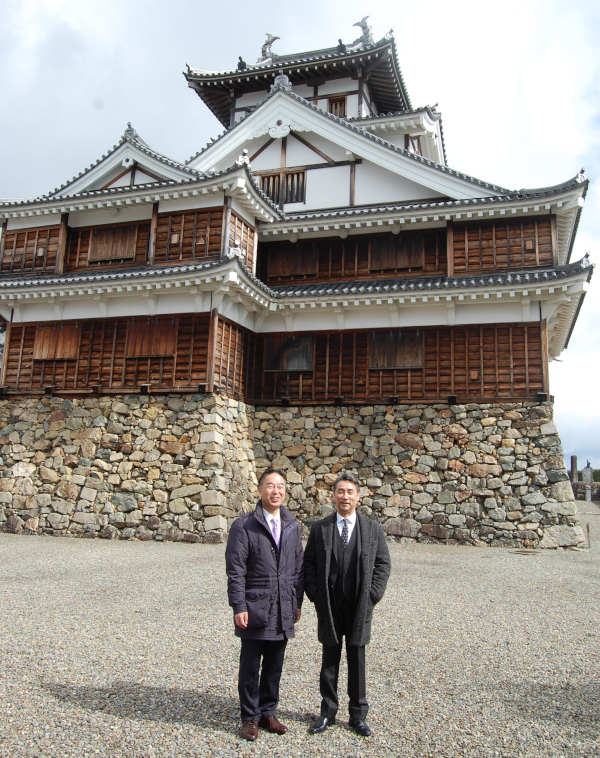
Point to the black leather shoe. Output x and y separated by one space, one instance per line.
361 727
321 724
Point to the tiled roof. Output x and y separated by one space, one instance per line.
425 284
195 176
133 138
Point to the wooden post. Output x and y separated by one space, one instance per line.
152 238
6 349
352 183
62 244
226 225
3 241
554 240
545 356
450 247
212 349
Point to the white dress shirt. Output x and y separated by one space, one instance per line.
269 518
351 521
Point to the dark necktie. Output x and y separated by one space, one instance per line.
345 532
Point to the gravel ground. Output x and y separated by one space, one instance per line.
127 649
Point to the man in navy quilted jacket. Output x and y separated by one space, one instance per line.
264 560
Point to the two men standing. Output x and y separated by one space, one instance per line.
345 571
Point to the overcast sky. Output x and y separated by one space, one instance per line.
518 85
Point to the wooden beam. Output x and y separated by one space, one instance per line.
450 247
3 241
225 229
312 147
152 236
307 167
62 244
545 356
352 183
260 149
554 241
212 348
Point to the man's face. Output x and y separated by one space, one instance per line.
346 497
272 491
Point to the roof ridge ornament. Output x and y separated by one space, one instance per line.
130 133
243 159
265 50
366 38
581 177
281 82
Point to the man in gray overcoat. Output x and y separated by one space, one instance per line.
346 569
265 587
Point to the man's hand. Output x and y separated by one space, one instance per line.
241 619
298 614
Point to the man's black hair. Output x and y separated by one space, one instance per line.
271 470
347 477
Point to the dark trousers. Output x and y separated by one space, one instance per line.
260 697
343 617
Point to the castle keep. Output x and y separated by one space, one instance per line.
315 289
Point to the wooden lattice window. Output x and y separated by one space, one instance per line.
337 106
113 243
300 259
294 353
56 342
397 252
288 187
396 349
151 338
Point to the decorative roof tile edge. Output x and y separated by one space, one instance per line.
389 287
196 178
425 284
524 194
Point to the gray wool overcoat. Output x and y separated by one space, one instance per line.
268 586
374 571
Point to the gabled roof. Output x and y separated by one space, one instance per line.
379 60
169 168
448 181
236 179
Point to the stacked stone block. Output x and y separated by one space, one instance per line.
183 467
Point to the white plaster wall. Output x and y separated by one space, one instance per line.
377 185
304 90
250 98
137 212
31 222
333 86
352 106
298 154
269 158
490 313
325 188
210 200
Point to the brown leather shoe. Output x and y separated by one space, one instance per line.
272 724
249 730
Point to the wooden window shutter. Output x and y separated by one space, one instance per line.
392 253
298 259
112 243
289 353
396 349
56 342
151 338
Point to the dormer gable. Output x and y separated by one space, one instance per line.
130 163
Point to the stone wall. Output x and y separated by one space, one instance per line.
163 468
183 467
486 474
